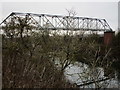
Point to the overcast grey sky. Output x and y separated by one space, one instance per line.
106 10
119 14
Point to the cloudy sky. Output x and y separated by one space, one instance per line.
107 10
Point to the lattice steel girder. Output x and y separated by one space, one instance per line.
57 22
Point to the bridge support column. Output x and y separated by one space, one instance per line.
108 37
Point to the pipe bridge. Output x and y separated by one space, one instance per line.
57 22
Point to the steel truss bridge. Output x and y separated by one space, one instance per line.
57 22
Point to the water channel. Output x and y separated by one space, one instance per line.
79 73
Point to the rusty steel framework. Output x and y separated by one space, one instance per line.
56 22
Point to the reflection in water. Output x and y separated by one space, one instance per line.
80 73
